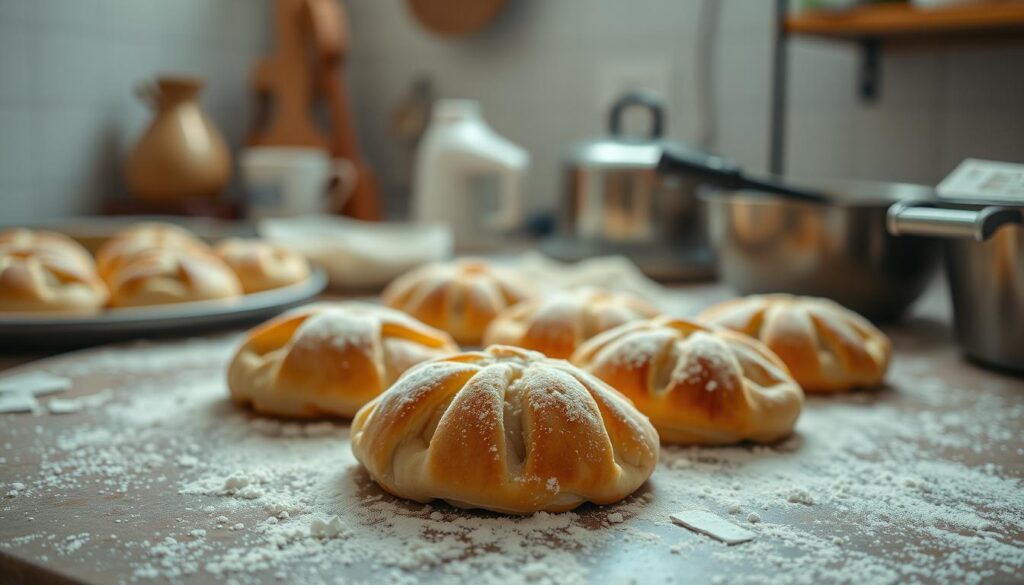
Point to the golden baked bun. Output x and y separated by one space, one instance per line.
329 359
48 280
25 240
826 346
698 384
504 429
460 297
127 243
160 276
261 265
557 324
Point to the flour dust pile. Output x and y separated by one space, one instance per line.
181 486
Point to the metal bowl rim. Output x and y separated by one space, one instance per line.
842 190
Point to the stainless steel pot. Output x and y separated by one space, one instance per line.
839 249
617 202
819 238
984 251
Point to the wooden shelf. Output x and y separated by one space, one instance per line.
903 21
874 26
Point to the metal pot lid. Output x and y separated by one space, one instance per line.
982 183
974 202
625 152
612 153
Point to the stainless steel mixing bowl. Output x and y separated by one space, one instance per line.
839 249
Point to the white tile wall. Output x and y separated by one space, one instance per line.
67 69
537 73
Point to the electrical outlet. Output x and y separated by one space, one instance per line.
618 76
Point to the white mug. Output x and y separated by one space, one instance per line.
291 181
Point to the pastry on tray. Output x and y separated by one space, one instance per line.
460 297
44 240
826 346
165 275
557 324
698 384
329 359
140 237
261 265
505 429
47 272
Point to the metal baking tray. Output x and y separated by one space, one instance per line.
35 332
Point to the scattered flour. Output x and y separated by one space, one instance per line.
17 402
800 496
331 528
64 406
34 383
869 490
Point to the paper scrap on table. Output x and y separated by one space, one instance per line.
707 523
17 402
35 384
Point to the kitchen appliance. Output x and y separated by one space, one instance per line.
617 203
468 176
821 238
983 232
181 155
304 73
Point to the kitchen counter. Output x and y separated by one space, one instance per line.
920 481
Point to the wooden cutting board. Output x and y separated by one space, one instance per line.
42 526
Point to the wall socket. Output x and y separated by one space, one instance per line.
618 76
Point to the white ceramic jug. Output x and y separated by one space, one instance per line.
467 176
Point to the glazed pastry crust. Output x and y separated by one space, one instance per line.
504 429
261 265
460 297
556 325
48 281
123 246
26 240
698 384
44 271
826 346
160 276
329 359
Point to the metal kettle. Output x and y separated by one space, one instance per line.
615 201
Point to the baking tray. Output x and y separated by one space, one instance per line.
35 332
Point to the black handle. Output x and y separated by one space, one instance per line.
722 172
702 166
644 99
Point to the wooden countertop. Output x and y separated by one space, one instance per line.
875 487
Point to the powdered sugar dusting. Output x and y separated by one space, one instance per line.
703 358
339 328
635 348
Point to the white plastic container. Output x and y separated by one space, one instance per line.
468 177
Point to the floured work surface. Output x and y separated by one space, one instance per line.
919 482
